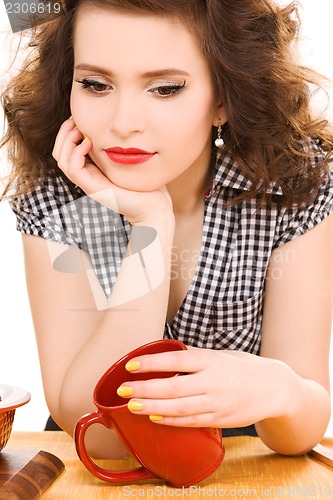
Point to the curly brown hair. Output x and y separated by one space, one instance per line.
247 44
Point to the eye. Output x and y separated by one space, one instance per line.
94 86
170 90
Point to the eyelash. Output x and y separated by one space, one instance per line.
174 90
92 85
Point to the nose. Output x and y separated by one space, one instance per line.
126 114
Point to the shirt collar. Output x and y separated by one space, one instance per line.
228 174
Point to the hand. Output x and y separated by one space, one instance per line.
218 389
72 155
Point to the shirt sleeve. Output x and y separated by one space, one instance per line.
48 212
297 221
52 212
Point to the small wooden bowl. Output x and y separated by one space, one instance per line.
10 398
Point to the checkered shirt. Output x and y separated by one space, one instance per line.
224 304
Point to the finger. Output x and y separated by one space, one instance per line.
71 164
64 130
78 156
188 361
198 420
188 406
164 388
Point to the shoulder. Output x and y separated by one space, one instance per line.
45 211
48 194
295 221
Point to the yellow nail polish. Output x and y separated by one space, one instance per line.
155 418
132 366
134 405
125 391
85 139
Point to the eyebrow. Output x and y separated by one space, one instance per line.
148 74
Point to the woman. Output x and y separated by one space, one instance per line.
187 196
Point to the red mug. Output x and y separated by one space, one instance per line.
181 456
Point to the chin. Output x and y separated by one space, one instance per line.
135 186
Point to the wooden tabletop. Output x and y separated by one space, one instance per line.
249 470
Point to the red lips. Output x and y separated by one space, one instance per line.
130 156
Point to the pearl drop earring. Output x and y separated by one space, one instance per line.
219 142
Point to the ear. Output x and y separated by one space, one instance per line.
220 116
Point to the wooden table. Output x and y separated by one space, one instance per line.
249 470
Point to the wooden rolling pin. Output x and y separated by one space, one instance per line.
25 474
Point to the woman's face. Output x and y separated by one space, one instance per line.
140 82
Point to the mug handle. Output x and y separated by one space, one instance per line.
124 476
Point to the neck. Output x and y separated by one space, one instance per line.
187 191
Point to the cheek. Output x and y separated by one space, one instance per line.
83 116
205 110
194 124
74 102
198 113
76 110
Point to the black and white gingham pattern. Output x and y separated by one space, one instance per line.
224 304
54 213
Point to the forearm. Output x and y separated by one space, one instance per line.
126 324
302 413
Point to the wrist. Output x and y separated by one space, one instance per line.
162 223
286 389
159 220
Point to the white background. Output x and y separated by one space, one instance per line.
18 354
